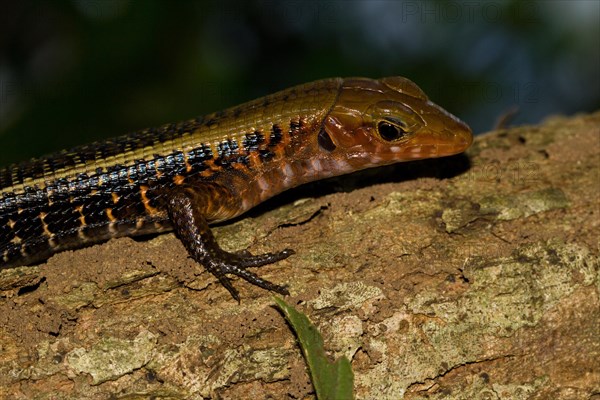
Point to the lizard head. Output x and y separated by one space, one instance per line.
378 122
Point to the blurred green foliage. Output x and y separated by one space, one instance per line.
73 71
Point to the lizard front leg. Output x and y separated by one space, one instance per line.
188 207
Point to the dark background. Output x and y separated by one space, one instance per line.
73 71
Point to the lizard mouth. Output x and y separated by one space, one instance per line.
434 147
429 144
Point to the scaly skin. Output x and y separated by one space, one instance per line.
185 176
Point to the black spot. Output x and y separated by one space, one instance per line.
227 148
276 135
58 358
150 376
294 126
252 141
266 155
484 377
325 141
197 157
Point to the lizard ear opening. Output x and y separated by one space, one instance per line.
325 141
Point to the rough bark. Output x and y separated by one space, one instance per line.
475 276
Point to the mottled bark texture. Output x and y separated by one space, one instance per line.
475 276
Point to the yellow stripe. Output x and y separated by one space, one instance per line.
311 100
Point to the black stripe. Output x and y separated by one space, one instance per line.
40 167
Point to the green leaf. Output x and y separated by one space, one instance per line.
332 381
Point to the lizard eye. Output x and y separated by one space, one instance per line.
391 130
